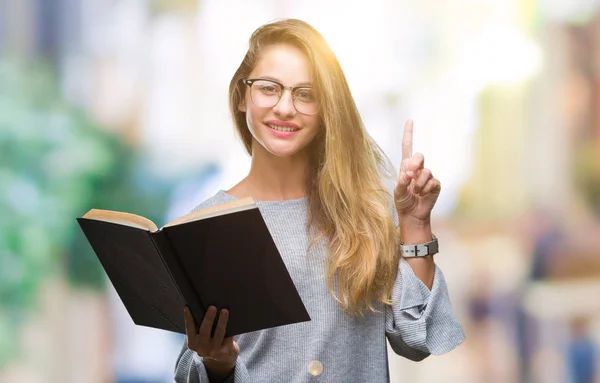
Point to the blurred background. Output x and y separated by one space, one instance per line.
122 104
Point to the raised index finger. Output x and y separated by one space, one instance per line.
407 140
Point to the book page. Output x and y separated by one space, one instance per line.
216 210
121 218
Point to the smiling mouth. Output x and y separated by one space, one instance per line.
283 128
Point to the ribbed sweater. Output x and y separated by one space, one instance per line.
333 346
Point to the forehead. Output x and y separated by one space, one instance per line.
285 63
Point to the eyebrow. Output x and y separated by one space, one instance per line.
307 83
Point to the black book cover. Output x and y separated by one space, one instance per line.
136 270
229 261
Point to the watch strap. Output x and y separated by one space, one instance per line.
421 249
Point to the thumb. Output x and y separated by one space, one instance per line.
232 345
403 182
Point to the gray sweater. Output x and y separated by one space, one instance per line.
333 346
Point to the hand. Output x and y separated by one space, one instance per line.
417 190
219 353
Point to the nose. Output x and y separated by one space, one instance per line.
285 107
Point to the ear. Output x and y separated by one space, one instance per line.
242 105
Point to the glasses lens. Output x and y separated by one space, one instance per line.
305 101
265 94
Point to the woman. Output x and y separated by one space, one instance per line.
315 176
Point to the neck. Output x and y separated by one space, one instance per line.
275 178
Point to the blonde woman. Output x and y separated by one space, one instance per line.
316 177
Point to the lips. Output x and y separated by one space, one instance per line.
280 128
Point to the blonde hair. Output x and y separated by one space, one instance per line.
348 202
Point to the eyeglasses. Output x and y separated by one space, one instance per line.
267 93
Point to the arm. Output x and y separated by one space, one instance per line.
420 320
412 233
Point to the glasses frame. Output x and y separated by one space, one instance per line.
250 81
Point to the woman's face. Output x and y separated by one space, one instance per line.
278 126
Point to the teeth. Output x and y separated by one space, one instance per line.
282 128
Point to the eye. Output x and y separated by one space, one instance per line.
305 95
267 88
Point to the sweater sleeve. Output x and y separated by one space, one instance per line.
189 368
420 321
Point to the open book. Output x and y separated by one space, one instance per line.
222 255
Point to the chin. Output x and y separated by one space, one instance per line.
281 147
283 150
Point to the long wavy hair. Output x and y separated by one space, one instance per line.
348 201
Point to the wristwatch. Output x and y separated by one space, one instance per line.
420 250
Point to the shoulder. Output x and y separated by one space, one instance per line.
218 198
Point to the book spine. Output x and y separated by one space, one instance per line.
180 278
